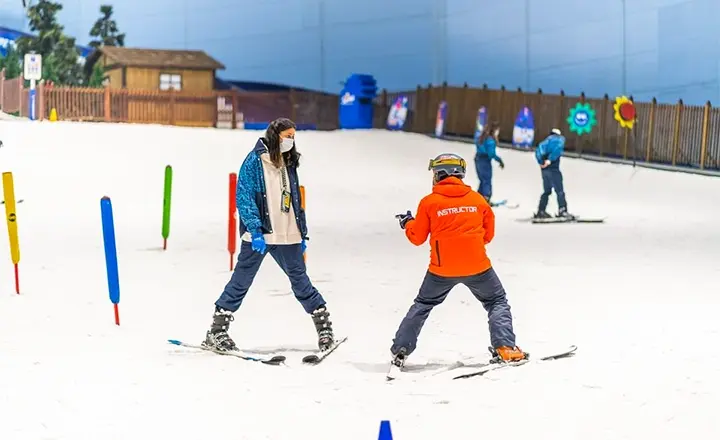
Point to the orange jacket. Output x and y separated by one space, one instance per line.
460 223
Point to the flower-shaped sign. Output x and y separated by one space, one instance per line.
581 119
625 112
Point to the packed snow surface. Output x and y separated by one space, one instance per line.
638 295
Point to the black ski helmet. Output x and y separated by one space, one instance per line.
446 165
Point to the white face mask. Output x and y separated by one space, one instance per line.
287 144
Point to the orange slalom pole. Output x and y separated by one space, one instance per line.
302 206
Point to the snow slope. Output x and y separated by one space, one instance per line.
638 295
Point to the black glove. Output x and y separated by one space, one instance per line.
404 218
502 164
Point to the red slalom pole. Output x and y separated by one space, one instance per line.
17 280
232 226
117 314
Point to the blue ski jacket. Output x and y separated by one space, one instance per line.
488 149
552 148
251 197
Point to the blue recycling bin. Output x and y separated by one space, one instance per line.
356 101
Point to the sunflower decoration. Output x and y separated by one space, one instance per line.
625 112
582 119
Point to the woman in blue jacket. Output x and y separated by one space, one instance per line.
272 220
485 153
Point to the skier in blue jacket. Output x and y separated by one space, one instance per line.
485 153
548 155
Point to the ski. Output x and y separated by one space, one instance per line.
555 220
568 220
497 365
314 359
504 203
394 372
275 360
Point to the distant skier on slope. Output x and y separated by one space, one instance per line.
485 153
548 155
271 221
460 223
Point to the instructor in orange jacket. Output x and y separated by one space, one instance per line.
460 222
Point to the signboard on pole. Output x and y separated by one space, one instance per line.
32 70
32 67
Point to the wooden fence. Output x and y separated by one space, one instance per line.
671 134
222 109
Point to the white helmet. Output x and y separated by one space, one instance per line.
556 131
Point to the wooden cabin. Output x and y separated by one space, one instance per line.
157 69
146 77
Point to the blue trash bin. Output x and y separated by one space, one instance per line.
356 101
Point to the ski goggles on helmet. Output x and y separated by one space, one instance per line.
448 160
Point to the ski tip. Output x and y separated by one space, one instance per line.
174 342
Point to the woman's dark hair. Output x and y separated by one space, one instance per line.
272 142
488 131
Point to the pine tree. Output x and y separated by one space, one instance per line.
60 56
105 30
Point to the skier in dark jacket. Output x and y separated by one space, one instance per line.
548 155
272 221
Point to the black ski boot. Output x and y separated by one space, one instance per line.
217 338
400 358
323 326
541 214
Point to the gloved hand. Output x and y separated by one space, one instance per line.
404 218
258 242
502 164
303 245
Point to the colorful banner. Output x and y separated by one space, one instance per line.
524 129
440 119
398 114
480 122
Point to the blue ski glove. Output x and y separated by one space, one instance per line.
404 218
258 242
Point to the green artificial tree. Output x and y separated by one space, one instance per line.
60 55
11 63
105 30
105 33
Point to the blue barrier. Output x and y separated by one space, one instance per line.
356 101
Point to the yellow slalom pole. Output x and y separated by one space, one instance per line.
11 217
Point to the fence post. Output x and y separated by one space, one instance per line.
2 88
171 107
21 88
40 101
625 137
107 112
563 110
603 124
676 132
293 111
651 130
705 131
234 100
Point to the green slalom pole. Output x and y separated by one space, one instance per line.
167 193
